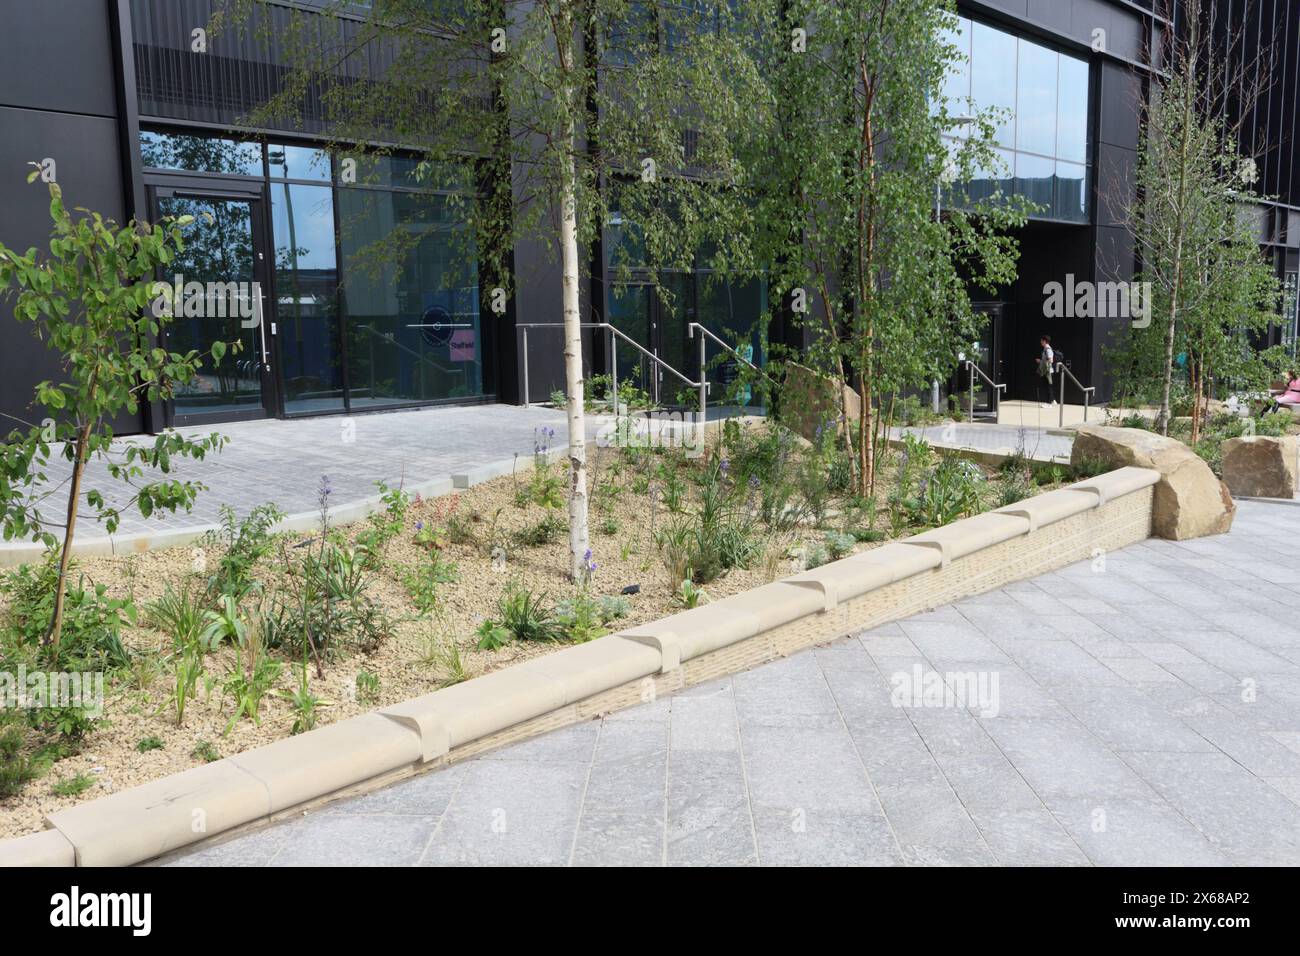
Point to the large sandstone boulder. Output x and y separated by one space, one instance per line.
808 402
1260 466
1190 501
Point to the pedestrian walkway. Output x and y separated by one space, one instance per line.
1141 708
283 460
1040 444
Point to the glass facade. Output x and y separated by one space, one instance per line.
376 299
1043 138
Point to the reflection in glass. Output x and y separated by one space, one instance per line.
200 154
297 162
306 285
219 250
1072 111
629 312
956 84
1035 180
733 311
411 288
993 76
1036 100
1071 192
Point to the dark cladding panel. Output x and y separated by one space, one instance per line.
84 149
1120 105
57 55
1116 169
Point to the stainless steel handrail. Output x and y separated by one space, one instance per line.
615 334
974 369
703 385
1086 389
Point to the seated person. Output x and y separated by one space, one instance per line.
1290 398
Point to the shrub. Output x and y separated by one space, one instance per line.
542 532
492 636
17 766
689 594
73 786
545 486
304 703
92 621
178 614
206 751
146 744
384 526
243 542
525 616
839 544
422 582
368 687
251 679
949 492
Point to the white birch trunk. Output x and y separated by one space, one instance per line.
578 535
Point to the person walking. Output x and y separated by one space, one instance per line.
1046 367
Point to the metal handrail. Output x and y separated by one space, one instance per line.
613 355
974 369
1086 389
703 385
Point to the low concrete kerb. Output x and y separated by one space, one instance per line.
577 682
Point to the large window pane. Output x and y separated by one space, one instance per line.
200 154
1072 111
1036 101
1035 181
993 179
1071 192
297 162
993 76
411 290
956 86
306 285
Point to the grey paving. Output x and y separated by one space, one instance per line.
1042 444
1127 726
283 461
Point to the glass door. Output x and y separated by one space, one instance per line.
631 311
985 353
219 294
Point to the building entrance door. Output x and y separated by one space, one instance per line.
220 289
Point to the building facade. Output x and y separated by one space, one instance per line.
139 122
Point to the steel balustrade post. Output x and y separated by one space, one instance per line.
613 371
526 402
1060 370
970 401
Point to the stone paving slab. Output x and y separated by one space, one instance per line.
1117 739
282 461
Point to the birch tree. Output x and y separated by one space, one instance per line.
553 103
865 142
1194 175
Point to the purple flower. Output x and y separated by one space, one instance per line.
419 526
724 466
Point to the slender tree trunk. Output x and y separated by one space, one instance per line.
1175 294
65 555
578 534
